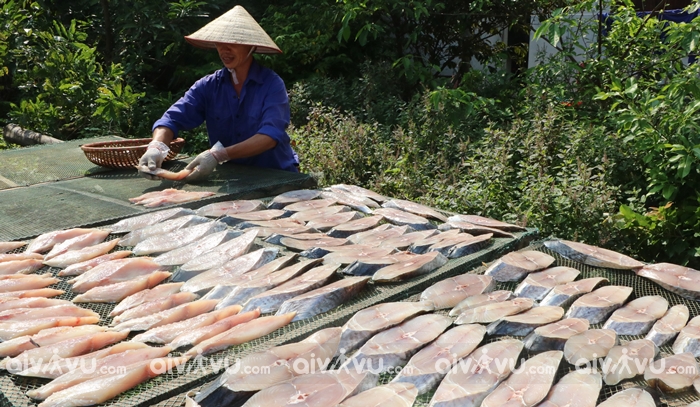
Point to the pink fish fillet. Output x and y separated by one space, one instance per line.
157 292
27 266
29 302
59 367
103 388
77 243
80 268
154 194
166 333
14 347
10 246
20 256
27 282
27 314
195 336
165 174
39 292
241 334
113 272
63 349
97 368
184 311
48 240
78 256
10 330
118 291
151 307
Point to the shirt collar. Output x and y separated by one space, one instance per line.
254 73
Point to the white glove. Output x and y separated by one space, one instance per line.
153 158
203 165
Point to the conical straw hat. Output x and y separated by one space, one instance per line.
236 26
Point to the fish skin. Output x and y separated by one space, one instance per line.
393 347
598 305
492 312
148 219
473 229
280 363
11 330
57 368
246 289
103 388
628 361
429 366
290 197
28 314
554 336
634 397
183 254
175 314
515 266
538 285
668 326
524 323
527 386
467 384
402 218
414 208
230 271
6 247
683 281
592 255
27 282
673 373
151 307
481 299
178 238
116 292
198 335
166 333
688 339
488 222
350 227
114 271
589 345
420 264
76 243
136 236
77 269
27 266
392 394
565 294
77 376
451 291
239 334
49 336
150 294
322 389
48 240
218 209
270 301
222 253
67 348
637 316
370 321
323 299
578 388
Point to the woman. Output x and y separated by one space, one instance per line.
245 105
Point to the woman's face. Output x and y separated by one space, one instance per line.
233 55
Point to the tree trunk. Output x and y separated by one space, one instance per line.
15 134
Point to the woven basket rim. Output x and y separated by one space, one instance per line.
119 144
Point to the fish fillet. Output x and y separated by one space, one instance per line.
310 205
429 366
356 203
402 218
290 197
47 241
538 285
15 346
666 328
628 361
229 271
240 334
30 302
524 323
488 222
589 345
672 374
630 398
183 254
554 336
166 333
28 314
146 295
323 299
637 316
376 236
592 255
477 300
597 306
403 242
116 292
197 335
446 246
419 264
181 237
360 191
10 246
221 254
77 269
470 246
114 271
157 305
492 312
78 256
578 388
172 198
148 219
219 209
688 340
563 295
451 291
27 282
473 229
27 266
165 174
388 395
175 314
515 266
20 256
307 215
347 228
77 243
683 281
170 225
39 292
529 385
415 208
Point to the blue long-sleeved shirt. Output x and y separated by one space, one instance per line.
263 107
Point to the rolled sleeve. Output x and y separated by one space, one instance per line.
188 112
275 112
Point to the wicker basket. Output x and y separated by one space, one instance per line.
124 153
